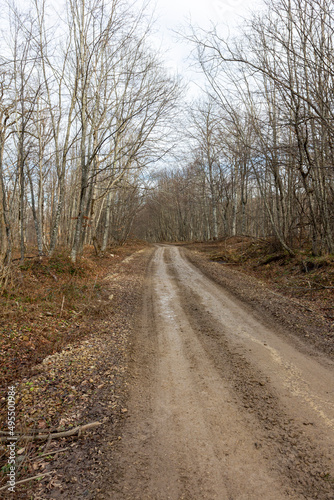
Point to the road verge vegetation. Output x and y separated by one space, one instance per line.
65 334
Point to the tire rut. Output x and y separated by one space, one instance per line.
283 443
204 421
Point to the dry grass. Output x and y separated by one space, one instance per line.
48 303
88 308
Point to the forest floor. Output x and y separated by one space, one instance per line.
207 367
64 343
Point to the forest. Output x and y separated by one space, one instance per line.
166 253
99 141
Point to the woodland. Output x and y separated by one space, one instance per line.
104 151
99 141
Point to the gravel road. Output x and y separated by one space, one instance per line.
223 405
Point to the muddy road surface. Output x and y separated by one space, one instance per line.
224 405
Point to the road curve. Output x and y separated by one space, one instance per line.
221 405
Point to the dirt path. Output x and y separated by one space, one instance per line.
222 407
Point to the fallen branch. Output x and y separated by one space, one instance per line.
302 305
43 437
54 452
40 476
32 257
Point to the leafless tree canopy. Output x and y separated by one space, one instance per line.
86 106
261 159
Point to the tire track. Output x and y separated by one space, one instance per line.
205 421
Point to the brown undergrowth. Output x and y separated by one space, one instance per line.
48 304
64 335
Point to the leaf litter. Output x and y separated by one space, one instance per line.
85 382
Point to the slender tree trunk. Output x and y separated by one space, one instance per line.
106 227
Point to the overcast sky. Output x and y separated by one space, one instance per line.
175 15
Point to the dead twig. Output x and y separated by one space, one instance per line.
50 453
295 302
39 476
43 437
62 306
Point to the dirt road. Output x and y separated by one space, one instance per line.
223 405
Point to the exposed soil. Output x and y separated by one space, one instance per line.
274 285
208 385
222 406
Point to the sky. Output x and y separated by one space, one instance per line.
174 15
